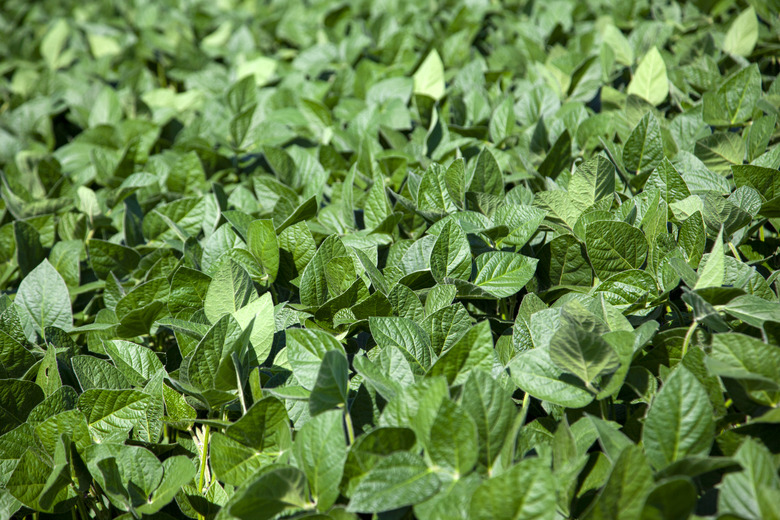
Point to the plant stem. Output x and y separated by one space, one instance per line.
203 458
734 251
604 411
350 428
688 336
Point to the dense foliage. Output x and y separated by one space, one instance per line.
436 260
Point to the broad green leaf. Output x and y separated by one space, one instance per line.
644 150
502 274
330 387
487 175
405 335
593 181
733 102
106 257
626 490
451 254
320 450
429 77
712 271
229 290
750 361
471 352
742 493
264 246
259 315
280 490
305 351
614 247
679 422
524 492
17 399
453 440
111 414
668 180
650 81
398 480
490 406
742 36
535 373
43 299
582 353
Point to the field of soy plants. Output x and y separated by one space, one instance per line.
354 259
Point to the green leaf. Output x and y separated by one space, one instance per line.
733 102
487 175
750 361
111 414
674 498
279 490
106 257
644 148
742 493
429 77
44 300
593 181
229 290
524 492
264 246
92 372
669 181
405 335
534 372
453 440
742 36
712 271
583 353
398 480
650 81
177 472
679 422
473 351
502 274
305 351
17 399
451 254
492 409
320 450
330 388
625 492
614 247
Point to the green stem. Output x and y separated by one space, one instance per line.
604 411
241 394
350 428
688 336
204 456
734 251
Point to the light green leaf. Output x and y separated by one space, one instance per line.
502 274
429 78
712 271
229 290
650 81
742 36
